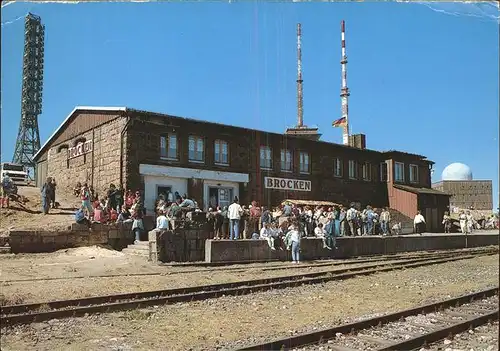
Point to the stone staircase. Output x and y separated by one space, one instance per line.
141 249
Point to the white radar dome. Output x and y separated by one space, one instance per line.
457 171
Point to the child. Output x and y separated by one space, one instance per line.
293 240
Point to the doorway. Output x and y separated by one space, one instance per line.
163 190
219 197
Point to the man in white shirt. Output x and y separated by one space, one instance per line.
351 220
385 218
161 221
234 214
419 223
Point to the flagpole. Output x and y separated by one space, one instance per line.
344 91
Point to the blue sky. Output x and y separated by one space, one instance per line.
423 78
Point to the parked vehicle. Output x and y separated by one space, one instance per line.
16 172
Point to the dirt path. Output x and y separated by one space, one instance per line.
26 213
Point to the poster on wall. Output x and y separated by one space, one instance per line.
287 184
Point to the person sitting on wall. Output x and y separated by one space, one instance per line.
397 228
266 234
129 198
320 233
161 221
80 217
124 216
99 215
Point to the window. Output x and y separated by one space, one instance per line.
337 167
399 172
413 174
196 149
353 169
221 152
286 160
304 162
168 146
367 171
266 161
383 172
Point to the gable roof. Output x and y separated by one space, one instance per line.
66 121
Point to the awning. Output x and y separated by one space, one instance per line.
310 203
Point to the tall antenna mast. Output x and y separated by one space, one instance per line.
301 130
300 107
344 91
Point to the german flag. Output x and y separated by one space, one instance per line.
339 122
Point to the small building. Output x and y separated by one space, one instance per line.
213 163
466 193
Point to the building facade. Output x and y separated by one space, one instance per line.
476 194
213 163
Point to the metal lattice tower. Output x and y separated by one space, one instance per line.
28 138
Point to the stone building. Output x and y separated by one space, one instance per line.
211 162
466 193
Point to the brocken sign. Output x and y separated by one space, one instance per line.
287 184
80 149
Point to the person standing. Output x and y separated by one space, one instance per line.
351 220
463 222
293 241
447 222
385 219
85 196
46 195
234 213
53 185
419 223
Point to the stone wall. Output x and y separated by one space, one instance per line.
180 245
99 168
312 248
117 236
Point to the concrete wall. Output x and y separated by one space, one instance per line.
312 249
116 235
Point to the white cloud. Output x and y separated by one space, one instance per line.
481 10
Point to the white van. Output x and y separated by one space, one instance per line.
15 172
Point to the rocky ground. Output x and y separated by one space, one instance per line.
232 321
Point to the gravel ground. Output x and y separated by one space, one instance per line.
232 321
483 338
28 292
408 328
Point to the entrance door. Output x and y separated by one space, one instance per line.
219 197
225 196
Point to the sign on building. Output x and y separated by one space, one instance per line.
287 184
80 149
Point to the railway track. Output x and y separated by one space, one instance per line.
404 330
27 313
264 267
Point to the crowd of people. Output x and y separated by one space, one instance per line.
282 227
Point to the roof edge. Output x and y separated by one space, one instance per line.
66 120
